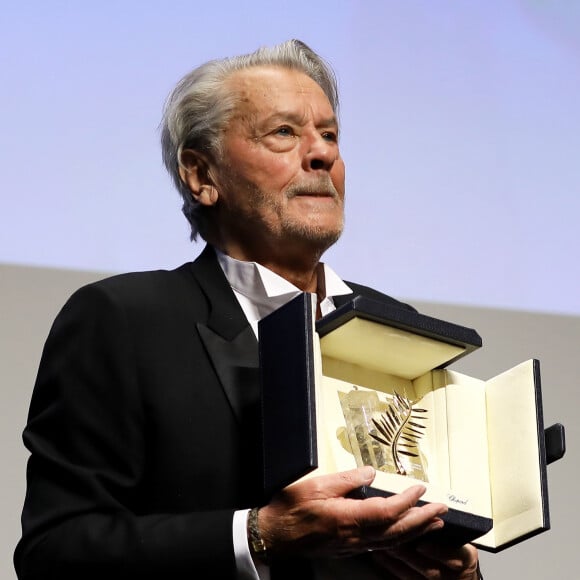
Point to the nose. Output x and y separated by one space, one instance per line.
321 153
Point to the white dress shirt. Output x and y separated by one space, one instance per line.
259 292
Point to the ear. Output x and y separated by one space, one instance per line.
194 172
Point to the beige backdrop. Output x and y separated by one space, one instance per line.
31 297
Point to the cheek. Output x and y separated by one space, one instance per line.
337 174
267 163
275 173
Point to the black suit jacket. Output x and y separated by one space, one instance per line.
144 430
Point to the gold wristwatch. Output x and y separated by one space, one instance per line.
257 545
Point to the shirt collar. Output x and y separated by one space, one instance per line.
261 285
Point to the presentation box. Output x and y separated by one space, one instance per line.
369 384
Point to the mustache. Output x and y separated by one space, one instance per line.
320 185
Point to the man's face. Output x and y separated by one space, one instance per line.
280 180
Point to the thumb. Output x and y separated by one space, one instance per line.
337 484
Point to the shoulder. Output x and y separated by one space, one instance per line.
367 292
142 286
138 298
145 284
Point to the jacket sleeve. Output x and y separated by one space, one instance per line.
87 437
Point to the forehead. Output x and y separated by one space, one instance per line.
266 89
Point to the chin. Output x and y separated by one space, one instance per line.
314 235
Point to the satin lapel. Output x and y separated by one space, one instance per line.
228 338
236 364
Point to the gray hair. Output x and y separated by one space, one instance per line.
200 106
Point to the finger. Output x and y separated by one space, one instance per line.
333 484
405 530
438 567
382 523
379 510
457 559
397 569
397 517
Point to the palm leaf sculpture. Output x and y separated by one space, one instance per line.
400 429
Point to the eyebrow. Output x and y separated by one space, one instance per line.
298 119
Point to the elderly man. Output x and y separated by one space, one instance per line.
144 423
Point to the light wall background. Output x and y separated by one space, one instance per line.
461 132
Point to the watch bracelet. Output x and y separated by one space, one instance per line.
255 540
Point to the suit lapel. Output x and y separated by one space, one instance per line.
236 364
228 339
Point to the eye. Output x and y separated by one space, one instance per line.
284 131
330 136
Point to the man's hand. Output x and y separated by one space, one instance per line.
313 518
422 560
